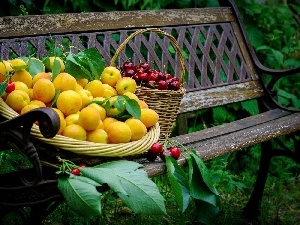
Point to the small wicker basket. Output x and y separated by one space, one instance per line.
89 148
165 102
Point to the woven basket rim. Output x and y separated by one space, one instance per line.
90 148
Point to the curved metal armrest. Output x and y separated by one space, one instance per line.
15 134
261 69
47 119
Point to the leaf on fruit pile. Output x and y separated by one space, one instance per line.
3 86
55 68
81 194
142 196
35 66
179 182
133 108
87 64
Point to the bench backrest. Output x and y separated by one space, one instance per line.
219 69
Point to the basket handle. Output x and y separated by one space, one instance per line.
156 30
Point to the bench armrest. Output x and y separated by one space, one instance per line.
15 134
276 74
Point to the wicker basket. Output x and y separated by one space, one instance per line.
165 102
89 148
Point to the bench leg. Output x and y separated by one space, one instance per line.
252 209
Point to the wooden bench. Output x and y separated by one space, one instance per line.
221 69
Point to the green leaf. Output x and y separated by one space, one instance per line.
133 108
205 212
251 107
95 61
87 64
35 66
119 104
55 68
86 180
3 86
278 56
23 67
179 183
201 186
77 67
104 176
219 115
81 196
142 196
121 164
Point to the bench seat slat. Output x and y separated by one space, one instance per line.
219 140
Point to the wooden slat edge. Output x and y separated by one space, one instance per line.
218 146
207 98
15 26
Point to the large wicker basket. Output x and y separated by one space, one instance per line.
89 148
165 102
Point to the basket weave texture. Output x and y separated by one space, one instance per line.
165 102
89 148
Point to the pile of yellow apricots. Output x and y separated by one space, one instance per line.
88 110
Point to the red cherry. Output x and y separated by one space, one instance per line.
136 78
160 76
175 78
156 148
153 76
168 76
175 152
174 85
10 87
82 165
129 72
127 65
144 65
163 154
162 85
143 77
75 171
151 156
151 84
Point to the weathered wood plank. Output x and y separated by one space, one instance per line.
207 98
231 137
94 21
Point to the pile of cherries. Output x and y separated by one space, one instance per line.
157 150
148 77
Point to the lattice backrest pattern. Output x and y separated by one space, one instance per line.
212 54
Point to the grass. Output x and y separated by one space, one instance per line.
280 204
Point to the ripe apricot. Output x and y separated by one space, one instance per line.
149 117
138 129
119 132
95 87
64 82
89 118
23 76
75 131
43 90
98 136
17 99
69 102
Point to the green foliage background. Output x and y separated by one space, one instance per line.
274 31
